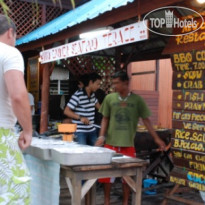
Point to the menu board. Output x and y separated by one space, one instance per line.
188 119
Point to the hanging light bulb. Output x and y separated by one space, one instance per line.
96 32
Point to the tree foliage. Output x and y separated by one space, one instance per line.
6 9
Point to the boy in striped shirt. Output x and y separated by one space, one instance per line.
81 108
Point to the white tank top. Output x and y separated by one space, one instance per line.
10 59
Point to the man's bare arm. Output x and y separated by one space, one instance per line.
155 136
68 112
103 130
14 80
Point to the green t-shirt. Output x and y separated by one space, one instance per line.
123 118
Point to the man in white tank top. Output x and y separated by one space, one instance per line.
14 105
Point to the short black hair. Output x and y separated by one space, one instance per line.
5 24
121 75
84 79
93 77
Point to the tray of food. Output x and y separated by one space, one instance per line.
41 148
82 155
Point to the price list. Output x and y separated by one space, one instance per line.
188 119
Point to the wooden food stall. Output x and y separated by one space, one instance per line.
125 19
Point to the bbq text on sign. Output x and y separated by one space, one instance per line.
186 61
189 70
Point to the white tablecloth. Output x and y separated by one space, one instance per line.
45 185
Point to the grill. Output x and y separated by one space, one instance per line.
160 163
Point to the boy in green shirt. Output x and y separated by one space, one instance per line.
121 112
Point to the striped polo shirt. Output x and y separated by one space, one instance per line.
84 106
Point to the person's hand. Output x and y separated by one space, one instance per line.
161 144
100 141
85 120
24 140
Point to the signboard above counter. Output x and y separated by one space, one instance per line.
117 37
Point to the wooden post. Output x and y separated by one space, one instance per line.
136 197
118 58
45 98
77 187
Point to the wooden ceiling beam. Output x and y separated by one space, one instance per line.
109 18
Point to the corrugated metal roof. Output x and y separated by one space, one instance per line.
82 13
